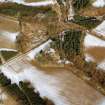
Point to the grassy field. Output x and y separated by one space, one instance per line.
13 9
8 54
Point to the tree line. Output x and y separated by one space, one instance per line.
23 92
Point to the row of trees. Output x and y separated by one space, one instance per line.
13 9
90 70
95 74
23 93
32 96
13 89
88 22
80 3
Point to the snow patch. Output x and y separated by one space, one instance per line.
101 65
51 50
44 46
92 41
100 29
99 3
17 1
11 36
41 3
89 58
102 102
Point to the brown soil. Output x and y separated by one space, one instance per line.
91 11
98 53
8 24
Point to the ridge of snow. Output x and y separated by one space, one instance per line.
41 3
100 29
6 49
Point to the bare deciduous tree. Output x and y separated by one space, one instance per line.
57 6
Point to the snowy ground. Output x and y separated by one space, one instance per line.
60 86
6 49
32 74
35 51
41 3
37 79
100 29
92 41
99 3
8 40
9 35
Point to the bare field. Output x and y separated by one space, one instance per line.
98 53
92 11
8 24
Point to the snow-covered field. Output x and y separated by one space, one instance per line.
6 49
36 78
39 80
100 29
35 51
55 86
41 3
99 3
59 86
9 35
92 41
8 41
